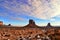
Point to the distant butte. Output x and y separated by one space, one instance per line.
1 23
30 25
29 32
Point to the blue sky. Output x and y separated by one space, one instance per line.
18 12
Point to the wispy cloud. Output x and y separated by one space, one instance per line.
11 17
17 18
3 15
42 9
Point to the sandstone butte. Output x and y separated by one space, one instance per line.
29 32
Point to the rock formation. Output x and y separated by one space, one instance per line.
1 23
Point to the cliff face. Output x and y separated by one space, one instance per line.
1 23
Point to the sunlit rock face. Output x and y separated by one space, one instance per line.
1 23
42 9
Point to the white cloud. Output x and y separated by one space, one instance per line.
46 10
53 20
42 9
